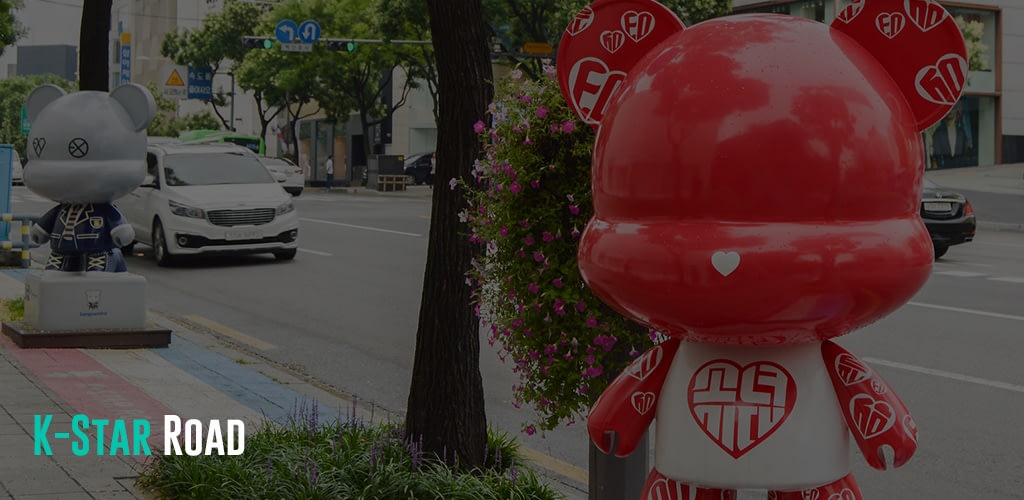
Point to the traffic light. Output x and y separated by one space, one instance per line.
257 42
341 45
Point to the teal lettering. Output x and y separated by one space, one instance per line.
40 428
141 436
100 424
119 438
79 423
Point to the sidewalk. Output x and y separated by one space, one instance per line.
199 376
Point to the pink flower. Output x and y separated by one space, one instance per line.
542 111
574 210
533 288
478 127
581 306
591 321
547 237
529 241
568 126
593 371
559 307
524 223
605 342
503 231
527 142
554 128
557 283
515 188
575 233
535 184
538 256
530 430
452 183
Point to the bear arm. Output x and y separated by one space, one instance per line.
625 409
880 423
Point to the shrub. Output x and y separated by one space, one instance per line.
530 201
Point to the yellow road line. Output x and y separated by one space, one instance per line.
555 465
248 340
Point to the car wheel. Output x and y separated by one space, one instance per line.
160 254
285 254
940 251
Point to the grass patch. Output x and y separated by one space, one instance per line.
13 309
341 460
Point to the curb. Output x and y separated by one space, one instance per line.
1001 226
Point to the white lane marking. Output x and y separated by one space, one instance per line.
314 252
968 311
950 375
1008 279
377 229
986 243
960 274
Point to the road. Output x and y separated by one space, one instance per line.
345 313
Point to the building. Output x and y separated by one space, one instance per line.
60 60
990 117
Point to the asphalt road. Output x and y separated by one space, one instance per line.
345 312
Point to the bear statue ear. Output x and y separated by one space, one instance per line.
919 44
39 98
138 102
601 44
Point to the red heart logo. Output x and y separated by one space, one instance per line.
943 82
810 494
890 24
612 41
871 417
846 494
642 402
910 427
851 11
739 407
925 14
582 21
850 369
637 25
592 85
645 365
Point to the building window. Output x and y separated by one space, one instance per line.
819 10
965 137
979 29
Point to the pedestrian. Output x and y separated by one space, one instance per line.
329 168
433 168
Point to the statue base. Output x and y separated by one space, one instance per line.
88 309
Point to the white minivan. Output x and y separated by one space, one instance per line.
210 199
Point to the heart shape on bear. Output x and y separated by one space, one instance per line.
740 406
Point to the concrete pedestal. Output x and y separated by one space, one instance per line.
93 309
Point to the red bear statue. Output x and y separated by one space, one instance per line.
756 184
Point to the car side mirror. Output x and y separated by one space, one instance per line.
148 181
279 177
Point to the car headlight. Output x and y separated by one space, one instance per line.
285 208
184 210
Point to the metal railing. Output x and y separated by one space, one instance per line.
26 243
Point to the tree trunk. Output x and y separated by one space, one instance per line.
93 44
446 400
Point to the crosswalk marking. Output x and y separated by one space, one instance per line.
960 274
1008 279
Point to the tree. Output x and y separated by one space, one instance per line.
10 28
166 123
93 41
446 400
408 19
13 92
217 44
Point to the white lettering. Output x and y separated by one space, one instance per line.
236 428
193 437
172 428
214 439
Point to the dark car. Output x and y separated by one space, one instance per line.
948 216
418 167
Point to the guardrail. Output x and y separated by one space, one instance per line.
392 182
26 243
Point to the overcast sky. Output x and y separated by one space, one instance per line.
48 22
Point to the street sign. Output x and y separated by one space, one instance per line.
309 31
200 83
174 85
296 47
286 31
538 48
126 58
25 125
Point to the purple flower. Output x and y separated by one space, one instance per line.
575 233
605 342
533 288
554 128
538 256
542 111
568 126
591 321
547 237
574 210
559 307
557 283
581 306
593 371
527 142
503 231
515 188
478 127
524 223
452 183
517 74
530 430
529 241
535 184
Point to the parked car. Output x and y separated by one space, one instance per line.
210 199
294 178
948 216
17 169
418 167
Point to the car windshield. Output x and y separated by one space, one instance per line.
204 169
